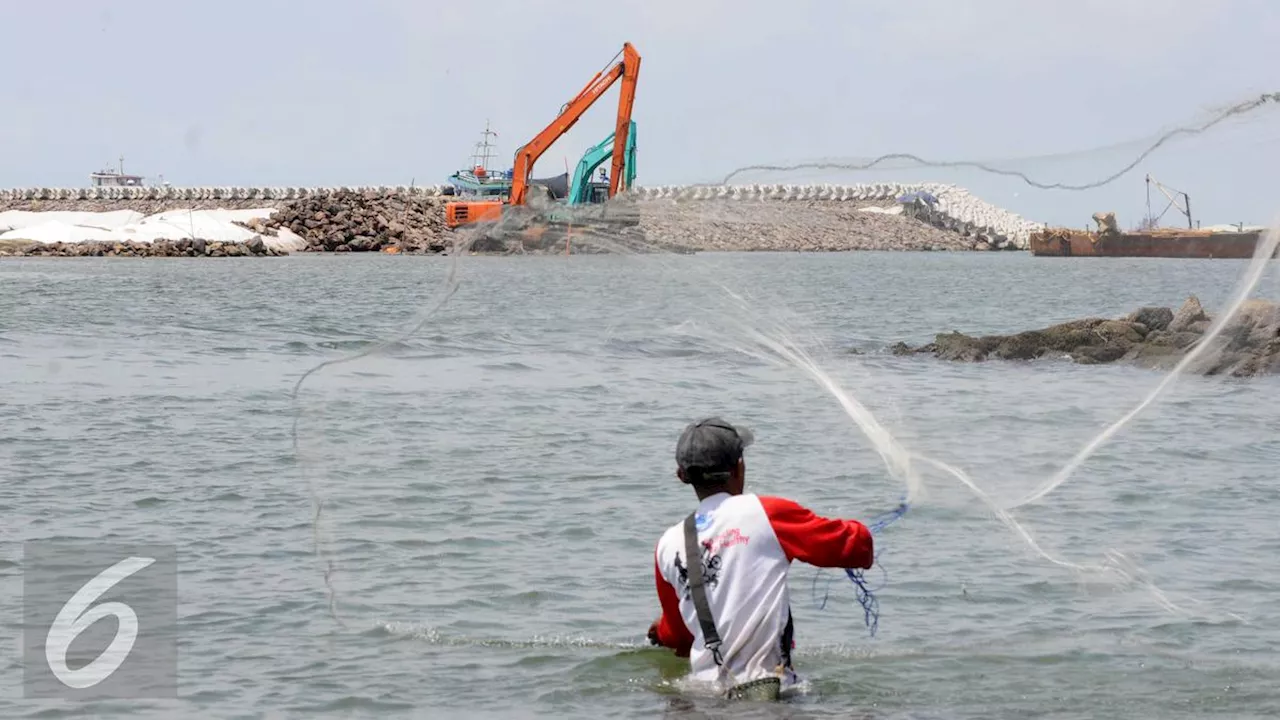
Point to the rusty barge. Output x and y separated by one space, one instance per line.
1149 240
1165 243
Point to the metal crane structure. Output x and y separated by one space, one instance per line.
627 69
1151 222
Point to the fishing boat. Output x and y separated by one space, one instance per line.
480 180
108 177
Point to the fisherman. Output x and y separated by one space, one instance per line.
729 610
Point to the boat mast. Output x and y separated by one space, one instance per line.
480 158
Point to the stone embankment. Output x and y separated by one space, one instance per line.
1152 337
885 216
352 222
797 226
133 248
336 221
946 207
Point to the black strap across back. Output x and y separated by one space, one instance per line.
693 560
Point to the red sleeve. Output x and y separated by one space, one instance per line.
819 541
672 632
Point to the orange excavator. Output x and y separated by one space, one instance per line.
627 69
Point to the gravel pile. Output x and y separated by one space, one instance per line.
799 226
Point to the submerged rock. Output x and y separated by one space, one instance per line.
1154 337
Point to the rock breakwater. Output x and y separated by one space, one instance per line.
340 221
132 248
1152 337
744 218
947 207
798 226
349 221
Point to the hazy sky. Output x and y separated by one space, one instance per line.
276 92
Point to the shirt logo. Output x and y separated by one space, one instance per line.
701 521
710 569
728 539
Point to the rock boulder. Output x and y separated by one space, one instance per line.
1154 337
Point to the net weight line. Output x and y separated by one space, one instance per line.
1194 129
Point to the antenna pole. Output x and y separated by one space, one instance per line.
486 144
1150 220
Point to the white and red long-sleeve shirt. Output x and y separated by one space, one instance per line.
748 542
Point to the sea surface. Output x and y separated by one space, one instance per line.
493 483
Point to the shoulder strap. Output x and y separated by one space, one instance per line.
693 560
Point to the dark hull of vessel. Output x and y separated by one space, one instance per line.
1165 244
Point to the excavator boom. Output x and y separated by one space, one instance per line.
628 70
626 100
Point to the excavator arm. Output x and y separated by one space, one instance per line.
628 70
580 187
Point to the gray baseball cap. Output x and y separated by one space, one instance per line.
709 450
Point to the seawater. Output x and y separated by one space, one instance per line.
494 485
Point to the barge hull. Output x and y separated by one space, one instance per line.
1184 244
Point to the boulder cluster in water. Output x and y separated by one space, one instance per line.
1154 337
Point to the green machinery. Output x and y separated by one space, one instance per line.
582 189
